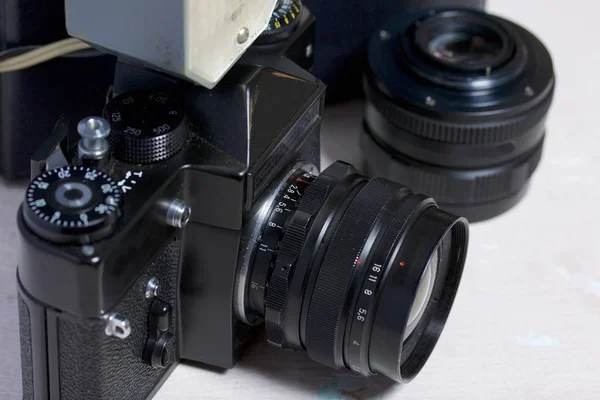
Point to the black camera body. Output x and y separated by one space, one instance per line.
171 226
107 317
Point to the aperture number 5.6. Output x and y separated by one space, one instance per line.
361 314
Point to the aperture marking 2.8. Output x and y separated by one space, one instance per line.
268 245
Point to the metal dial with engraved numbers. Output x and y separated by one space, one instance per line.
72 205
146 127
268 245
284 21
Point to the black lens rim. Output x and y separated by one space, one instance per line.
388 353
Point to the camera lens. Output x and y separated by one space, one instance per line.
457 101
359 273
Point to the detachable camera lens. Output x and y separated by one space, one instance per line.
457 101
359 273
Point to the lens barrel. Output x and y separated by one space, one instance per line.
346 271
457 102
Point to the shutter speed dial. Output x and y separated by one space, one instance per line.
284 20
146 127
72 205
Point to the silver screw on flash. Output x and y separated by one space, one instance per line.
243 35
94 133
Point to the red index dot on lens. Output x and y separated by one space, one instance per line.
358 261
402 264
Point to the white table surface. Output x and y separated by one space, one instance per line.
526 322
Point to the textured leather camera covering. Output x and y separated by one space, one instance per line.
26 362
94 366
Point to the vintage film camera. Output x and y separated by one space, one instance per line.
184 217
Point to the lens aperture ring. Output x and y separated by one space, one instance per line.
316 195
327 311
292 271
282 210
357 343
278 287
476 133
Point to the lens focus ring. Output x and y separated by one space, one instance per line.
326 317
283 300
405 208
485 133
460 186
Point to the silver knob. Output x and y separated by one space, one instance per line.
94 133
178 214
117 325
152 288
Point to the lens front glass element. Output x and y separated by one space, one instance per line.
423 295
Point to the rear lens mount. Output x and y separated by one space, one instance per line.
457 102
